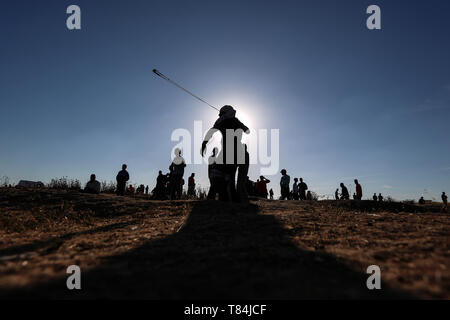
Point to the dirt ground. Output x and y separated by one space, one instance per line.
133 248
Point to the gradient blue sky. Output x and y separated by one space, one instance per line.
349 102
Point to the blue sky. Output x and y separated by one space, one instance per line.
349 102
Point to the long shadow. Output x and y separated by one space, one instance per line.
55 242
223 252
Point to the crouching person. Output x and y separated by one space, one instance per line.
93 186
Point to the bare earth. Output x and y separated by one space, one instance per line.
135 248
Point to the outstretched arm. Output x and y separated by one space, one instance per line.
208 137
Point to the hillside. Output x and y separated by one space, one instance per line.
136 248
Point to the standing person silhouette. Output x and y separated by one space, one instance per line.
122 178
336 194
358 190
216 178
302 187
284 184
263 186
191 185
295 189
176 175
444 200
233 151
242 177
159 192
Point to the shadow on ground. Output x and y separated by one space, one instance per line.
55 242
223 251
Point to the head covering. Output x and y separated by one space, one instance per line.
226 112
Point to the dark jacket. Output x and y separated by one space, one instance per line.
234 124
122 176
302 187
177 169
345 193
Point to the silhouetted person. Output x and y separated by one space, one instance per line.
295 189
380 198
309 196
263 187
191 185
93 186
146 190
302 187
444 200
231 129
271 194
354 196
251 188
212 161
375 198
160 192
284 184
140 189
243 177
421 200
122 178
336 194
344 192
176 175
358 190
216 178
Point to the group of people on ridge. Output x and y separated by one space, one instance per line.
222 169
170 185
299 189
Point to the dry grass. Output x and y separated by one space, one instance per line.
207 249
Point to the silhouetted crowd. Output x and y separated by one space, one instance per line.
222 174
170 186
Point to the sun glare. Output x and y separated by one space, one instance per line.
245 118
